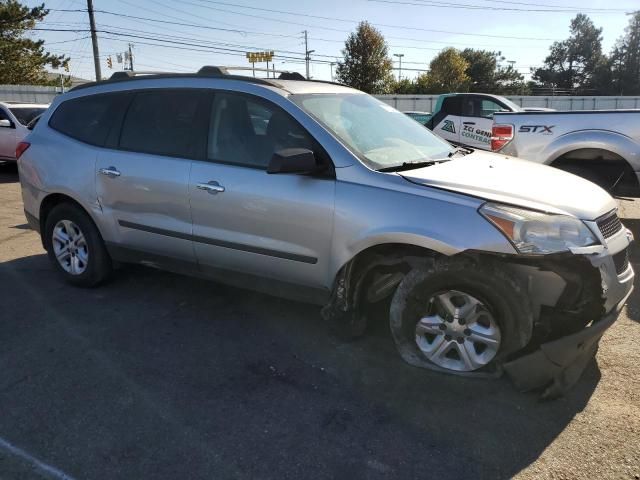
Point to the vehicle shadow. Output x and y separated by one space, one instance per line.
8 173
155 370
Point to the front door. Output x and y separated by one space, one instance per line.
245 220
7 137
143 184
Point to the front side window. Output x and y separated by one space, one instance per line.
247 131
87 119
379 135
25 114
165 122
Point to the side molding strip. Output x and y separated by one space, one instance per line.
220 243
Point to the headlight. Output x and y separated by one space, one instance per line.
534 232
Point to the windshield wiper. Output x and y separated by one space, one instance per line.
411 165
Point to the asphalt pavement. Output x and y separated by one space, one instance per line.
161 376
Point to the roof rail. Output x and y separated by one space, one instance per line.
210 71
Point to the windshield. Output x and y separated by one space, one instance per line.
378 134
25 114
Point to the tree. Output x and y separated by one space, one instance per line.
366 64
576 62
23 60
404 87
447 73
625 60
486 75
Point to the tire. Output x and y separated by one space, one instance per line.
498 319
84 260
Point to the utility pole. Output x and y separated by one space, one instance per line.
307 53
130 58
399 55
331 65
94 40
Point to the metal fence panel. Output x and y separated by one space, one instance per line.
28 93
427 102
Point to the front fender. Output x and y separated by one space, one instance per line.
613 142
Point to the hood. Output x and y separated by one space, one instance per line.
517 182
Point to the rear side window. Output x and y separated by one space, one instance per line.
166 122
87 119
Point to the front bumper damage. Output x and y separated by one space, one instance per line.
556 365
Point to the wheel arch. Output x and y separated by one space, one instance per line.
603 140
50 201
391 260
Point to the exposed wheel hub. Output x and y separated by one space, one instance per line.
458 332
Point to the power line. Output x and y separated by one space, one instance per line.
468 6
253 32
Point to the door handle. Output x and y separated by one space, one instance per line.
111 172
212 187
469 123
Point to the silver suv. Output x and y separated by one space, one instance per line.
315 191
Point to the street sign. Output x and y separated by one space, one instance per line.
254 57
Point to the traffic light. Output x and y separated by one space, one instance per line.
109 62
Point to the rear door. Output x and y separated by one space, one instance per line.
247 221
477 120
7 137
446 121
142 184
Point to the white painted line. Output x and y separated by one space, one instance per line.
43 467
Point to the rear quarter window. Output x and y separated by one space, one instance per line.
87 119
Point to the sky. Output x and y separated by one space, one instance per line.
183 35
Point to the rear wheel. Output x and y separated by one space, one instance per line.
459 316
75 247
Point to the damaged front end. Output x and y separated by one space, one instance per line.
593 285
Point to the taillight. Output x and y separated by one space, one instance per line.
500 136
21 148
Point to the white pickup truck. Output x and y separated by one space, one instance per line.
600 145
467 118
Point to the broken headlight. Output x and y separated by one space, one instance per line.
538 233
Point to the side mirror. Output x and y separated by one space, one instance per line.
5 123
293 160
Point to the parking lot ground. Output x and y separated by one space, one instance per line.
160 376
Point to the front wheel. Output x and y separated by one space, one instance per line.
460 316
75 247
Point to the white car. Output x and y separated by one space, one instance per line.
14 118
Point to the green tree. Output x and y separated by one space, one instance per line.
366 64
625 60
22 60
486 75
404 87
447 73
574 63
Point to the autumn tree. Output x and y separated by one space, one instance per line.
366 64
23 60
577 62
447 73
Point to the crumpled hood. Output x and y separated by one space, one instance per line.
518 182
